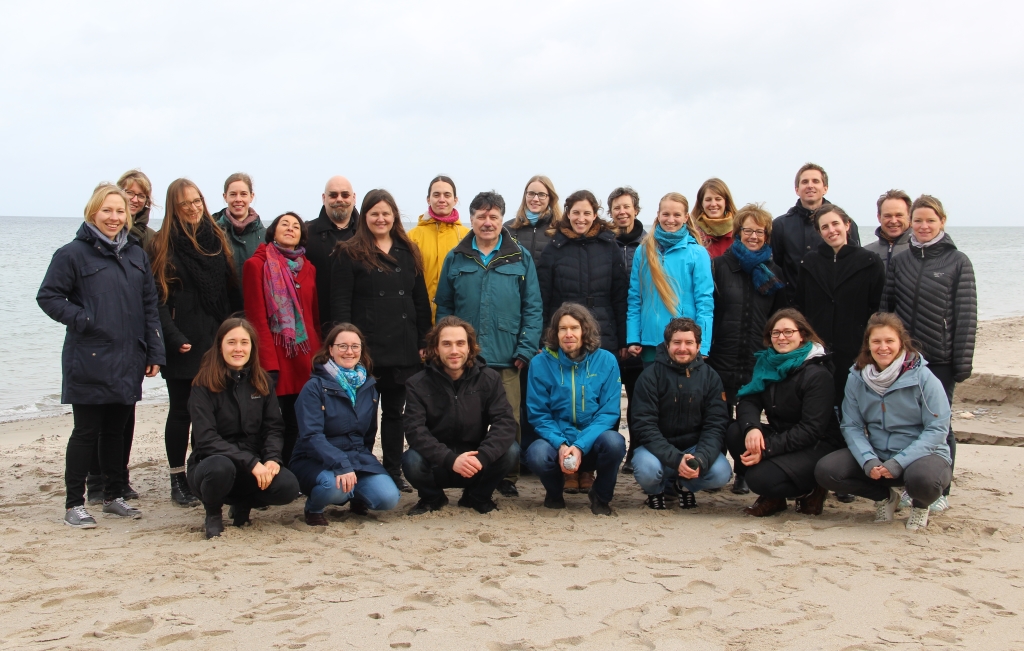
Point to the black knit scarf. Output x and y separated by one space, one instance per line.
208 272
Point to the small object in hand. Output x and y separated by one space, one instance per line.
693 463
569 463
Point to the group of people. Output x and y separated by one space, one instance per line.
506 346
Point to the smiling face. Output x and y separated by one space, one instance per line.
683 347
190 205
453 348
785 336
339 199
486 226
752 234
238 197
346 350
884 343
623 213
137 198
894 218
442 198
236 347
811 189
537 197
672 215
833 230
926 224
288 232
112 216
380 218
713 204
581 217
570 335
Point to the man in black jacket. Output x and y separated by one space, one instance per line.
336 223
680 417
794 233
458 422
893 230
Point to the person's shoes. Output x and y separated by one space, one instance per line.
597 507
426 506
572 483
508 489
885 509
94 489
478 505
79 518
813 503
765 506
905 501
845 498
121 509
656 502
214 524
129 493
918 519
358 507
939 505
554 502
239 515
627 468
739 485
586 481
687 499
315 519
402 485
181 494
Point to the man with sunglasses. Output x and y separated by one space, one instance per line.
336 223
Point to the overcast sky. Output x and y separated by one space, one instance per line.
923 96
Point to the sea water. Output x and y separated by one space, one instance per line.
30 342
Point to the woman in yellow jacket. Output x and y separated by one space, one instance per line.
438 231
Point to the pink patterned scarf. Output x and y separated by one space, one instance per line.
450 219
284 312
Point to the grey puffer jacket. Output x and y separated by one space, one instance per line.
887 250
932 290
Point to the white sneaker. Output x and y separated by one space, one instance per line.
918 519
885 509
939 505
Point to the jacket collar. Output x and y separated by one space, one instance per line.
804 213
633 236
87 236
661 357
509 250
935 250
328 379
564 359
442 375
560 238
902 239
323 222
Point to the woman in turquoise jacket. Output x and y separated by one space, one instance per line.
671 277
895 422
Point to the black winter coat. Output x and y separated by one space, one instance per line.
838 293
933 292
532 238
237 423
793 235
676 407
589 271
629 243
740 315
444 418
108 302
185 321
801 417
321 238
389 305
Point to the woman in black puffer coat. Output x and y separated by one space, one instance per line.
584 264
931 288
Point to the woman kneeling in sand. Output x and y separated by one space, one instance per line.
901 406
237 431
337 414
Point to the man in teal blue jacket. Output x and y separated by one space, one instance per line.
490 281
573 402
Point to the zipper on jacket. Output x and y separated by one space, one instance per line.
573 395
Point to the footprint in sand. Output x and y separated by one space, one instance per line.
132 626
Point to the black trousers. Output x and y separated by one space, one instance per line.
925 479
391 385
629 373
431 481
217 481
767 478
945 374
527 433
291 425
126 449
730 404
179 422
97 427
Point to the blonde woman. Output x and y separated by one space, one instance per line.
671 277
538 210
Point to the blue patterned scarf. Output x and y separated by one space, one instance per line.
349 379
753 263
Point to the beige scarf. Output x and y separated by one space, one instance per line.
715 227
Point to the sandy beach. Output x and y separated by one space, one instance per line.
526 577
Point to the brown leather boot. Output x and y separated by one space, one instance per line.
586 481
572 483
813 502
765 506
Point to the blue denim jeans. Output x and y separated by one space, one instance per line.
604 457
378 492
653 476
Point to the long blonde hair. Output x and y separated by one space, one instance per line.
650 246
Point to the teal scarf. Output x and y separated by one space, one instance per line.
771 367
349 379
667 240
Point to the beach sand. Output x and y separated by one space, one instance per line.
524 577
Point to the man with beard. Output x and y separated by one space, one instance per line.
336 223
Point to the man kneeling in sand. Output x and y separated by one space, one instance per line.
458 422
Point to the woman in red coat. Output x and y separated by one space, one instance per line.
279 286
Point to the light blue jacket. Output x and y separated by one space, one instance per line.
573 402
908 422
687 267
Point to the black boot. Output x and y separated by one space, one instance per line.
181 494
239 514
214 523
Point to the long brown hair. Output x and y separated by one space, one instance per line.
807 333
363 247
719 187
163 270
590 339
434 340
214 371
572 200
324 354
883 320
553 208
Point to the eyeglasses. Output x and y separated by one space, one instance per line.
344 194
140 197
780 334
537 195
753 231
195 203
344 348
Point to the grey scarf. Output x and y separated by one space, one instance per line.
119 242
880 381
924 245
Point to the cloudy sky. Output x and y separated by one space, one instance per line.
923 96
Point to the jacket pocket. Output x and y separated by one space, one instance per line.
91 361
94 283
